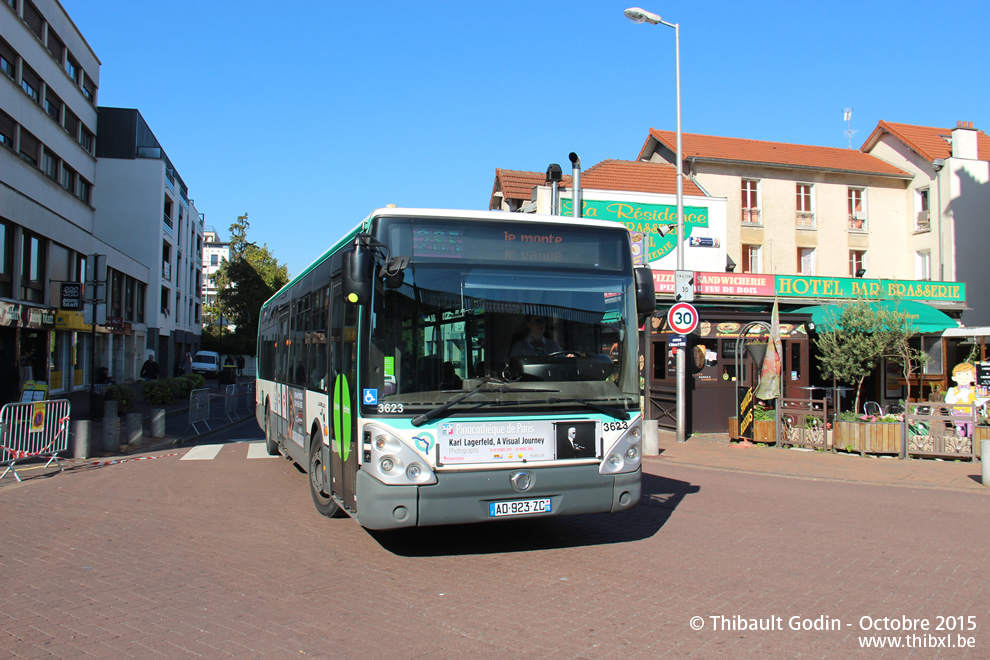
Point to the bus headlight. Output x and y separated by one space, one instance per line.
392 461
625 455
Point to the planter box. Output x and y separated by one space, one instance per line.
764 430
867 437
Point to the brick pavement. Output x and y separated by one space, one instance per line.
228 558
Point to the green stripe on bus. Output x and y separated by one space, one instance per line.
342 415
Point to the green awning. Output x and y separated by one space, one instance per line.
924 318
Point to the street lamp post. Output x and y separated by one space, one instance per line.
637 15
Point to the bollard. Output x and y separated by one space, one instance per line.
651 437
109 409
111 433
158 423
984 455
80 438
135 428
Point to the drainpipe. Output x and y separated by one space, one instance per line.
937 165
576 174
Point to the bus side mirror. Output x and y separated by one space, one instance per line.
646 295
357 278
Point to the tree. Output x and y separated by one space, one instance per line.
244 282
851 345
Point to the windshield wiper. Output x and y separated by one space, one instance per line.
419 420
605 410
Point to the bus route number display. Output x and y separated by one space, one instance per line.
683 318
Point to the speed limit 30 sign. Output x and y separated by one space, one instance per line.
682 318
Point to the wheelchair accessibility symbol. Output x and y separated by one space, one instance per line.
370 397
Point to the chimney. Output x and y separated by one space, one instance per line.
964 141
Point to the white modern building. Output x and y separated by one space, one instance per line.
49 80
215 252
144 204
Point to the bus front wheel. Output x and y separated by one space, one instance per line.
317 481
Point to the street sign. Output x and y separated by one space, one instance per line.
683 285
683 318
71 298
677 341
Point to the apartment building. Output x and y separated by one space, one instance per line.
801 209
948 203
215 252
143 203
48 231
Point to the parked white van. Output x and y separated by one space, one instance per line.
206 363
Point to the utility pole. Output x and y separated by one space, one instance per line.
97 262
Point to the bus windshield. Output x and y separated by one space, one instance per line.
553 331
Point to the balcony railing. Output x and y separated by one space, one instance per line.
167 223
857 222
166 270
751 216
805 219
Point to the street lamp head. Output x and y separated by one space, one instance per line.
637 15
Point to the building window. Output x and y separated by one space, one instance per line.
922 219
139 302
32 268
750 202
214 259
6 130
89 89
83 189
806 261
857 209
71 124
34 20
72 68
30 83
805 206
751 258
923 265
86 139
53 105
55 46
68 178
6 259
857 262
8 60
49 163
30 146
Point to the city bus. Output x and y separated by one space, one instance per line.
395 370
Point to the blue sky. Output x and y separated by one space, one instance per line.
308 115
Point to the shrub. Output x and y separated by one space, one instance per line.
158 392
122 394
761 413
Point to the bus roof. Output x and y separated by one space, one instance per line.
484 216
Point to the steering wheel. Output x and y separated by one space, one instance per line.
566 354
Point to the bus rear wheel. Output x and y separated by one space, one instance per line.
270 445
317 482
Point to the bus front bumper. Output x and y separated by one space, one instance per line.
464 497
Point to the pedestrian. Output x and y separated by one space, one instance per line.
150 370
240 365
187 364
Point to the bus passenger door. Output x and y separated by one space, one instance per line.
343 397
281 421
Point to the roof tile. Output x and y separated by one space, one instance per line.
927 141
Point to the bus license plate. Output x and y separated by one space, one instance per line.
518 508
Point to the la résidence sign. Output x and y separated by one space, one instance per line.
646 219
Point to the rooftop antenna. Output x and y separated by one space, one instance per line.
847 115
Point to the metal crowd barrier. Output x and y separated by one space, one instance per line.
40 428
199 409
230 403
